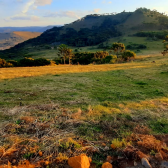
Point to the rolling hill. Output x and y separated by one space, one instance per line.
93 30
8 40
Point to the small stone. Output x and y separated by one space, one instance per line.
135 163
81 161
106 148
159 156
107 165
145 163
40 153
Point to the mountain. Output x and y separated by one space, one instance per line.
95 29
8 40
27 29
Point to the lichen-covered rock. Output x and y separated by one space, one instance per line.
107 165
81 161
164 165
145 163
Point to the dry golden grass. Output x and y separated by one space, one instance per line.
27 35
16 72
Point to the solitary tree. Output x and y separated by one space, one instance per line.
69 54
118 48
64 51
165 46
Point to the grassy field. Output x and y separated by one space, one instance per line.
62 108
130 85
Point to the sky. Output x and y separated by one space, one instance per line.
20 13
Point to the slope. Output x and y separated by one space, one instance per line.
8 40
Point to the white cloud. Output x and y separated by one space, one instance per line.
43 2
27 6
33 4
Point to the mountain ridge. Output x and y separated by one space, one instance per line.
94 29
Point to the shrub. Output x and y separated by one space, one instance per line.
41 62
101 54
113 60
33 62
83 58
26 62
13 62
127 55
3 63
58 61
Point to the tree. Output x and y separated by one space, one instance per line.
64 51
118 47
69 54
165 46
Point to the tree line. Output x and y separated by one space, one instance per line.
66 55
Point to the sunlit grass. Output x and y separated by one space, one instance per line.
135 91
16 72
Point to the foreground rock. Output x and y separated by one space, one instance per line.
145 163
107 165
81 161
164 164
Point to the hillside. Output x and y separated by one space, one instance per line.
8 40
93 30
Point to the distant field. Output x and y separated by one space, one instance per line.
27 35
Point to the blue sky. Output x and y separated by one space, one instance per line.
58 12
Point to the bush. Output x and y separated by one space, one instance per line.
26 62
3 63
33 62
113 60
101 54
13 62
41 62
83 58
127 55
